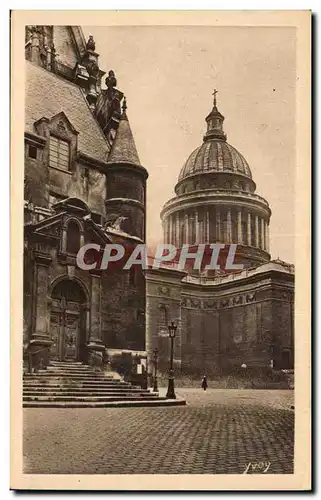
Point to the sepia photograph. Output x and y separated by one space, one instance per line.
160 217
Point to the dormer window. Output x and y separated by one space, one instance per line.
59 153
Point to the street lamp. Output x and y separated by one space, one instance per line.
155 352
170 390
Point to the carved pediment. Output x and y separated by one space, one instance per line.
49 227
58 124
72 205
61 125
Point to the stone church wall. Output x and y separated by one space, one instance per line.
248 323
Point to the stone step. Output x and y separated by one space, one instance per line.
71 386
58 381
110 404
57 362
80 368
71 396
43 378
61 373
74 372
74 385
61 378
97 392
128 397
71 381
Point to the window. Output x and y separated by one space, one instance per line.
32 153
58 153
73 238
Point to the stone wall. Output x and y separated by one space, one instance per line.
248 321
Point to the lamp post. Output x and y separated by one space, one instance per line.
170 390
155 352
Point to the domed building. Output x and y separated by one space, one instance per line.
225 321
215 199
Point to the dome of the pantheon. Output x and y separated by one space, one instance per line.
215 155
215 199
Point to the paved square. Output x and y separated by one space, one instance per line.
217 432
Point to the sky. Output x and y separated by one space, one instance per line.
168 74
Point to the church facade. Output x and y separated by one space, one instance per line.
225 320
83 184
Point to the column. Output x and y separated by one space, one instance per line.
249 229
95 327
42 263
197 234
262 234
170 230
173 229
239 228
187 231
256 231
191 232
40 341
64 239
229 226
177 242
218 225
207 227
267 242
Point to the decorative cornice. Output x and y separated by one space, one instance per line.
125 165
216 197
91 162
128 201
42 258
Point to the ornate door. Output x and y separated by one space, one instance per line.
55 327
67 324
70 346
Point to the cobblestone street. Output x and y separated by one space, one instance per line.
218 431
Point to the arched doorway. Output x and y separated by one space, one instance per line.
68 321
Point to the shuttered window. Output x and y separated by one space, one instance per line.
59 153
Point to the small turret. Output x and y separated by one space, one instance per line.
126 180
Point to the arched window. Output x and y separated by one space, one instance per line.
73 237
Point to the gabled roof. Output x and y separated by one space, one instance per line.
47 95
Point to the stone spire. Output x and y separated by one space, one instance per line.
215 122
123 149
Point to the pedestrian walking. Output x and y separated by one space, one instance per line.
204 383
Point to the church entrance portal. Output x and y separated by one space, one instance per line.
68 322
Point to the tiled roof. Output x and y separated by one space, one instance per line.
48 95
123 149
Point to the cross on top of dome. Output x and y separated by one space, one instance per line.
215 122
215 91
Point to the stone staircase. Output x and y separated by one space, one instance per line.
75 385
